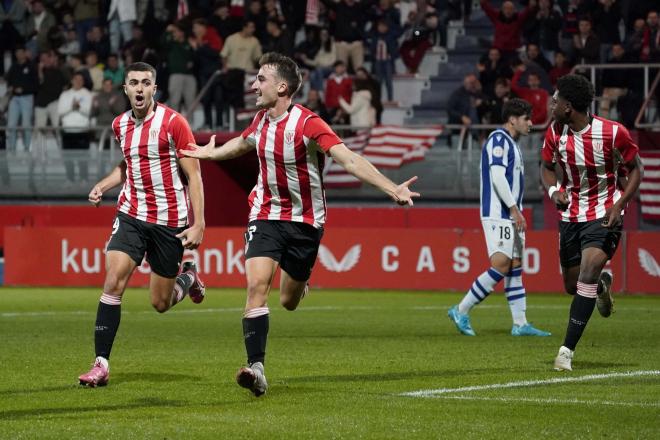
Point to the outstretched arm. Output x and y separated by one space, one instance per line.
233 148
116 177
361 168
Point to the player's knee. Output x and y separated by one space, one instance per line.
289 303
160 306
570 288
256 288
113 285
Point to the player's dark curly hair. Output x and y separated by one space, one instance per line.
516 107
577 90
286 68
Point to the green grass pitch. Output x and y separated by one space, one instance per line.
339 367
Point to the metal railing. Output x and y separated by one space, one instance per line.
643 111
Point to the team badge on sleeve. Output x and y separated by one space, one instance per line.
498 151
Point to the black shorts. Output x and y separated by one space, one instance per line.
293 244
135 238
575 237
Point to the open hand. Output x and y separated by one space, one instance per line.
198 152
402 195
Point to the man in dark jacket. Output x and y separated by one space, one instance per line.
22 83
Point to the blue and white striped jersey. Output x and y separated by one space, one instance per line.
500 150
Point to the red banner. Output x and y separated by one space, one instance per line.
395 258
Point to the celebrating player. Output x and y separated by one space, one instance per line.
502 185
588 149
288 207
152 211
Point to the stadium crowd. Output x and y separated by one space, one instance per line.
62 61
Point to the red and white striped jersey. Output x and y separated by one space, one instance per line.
291 150
154 191
589 160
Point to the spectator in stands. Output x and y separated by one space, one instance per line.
242 50
607 15
309 47
492 107
240 54
206 44
315 104
97 41
349 26
463 102
106 105
650 49
256 15
122 15
534 55
75 107
615 82
12 28
508 25
137 45
634 40
277 38
157 21
182 85
95 70
384 49
361 112
71 44
52 82
384 10
491 66
85 15
75 65
460 10
324 60
538 97
338 84
39 23
572 10
273 11
586 45
224 23
114 71
416 41
543 28
22 82
561 67
375 88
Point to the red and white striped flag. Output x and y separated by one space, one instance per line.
336 176
650 187
391 146
182 9
387 146
312 12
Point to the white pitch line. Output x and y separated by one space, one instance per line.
301 309
551 401
528 383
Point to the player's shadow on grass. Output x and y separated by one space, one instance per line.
148 402
153 377
403 375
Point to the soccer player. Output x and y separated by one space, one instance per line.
589 151
152 211
502 185
288 207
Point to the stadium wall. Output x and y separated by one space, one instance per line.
369 258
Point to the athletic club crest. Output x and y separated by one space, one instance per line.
153 135
598 146
288 136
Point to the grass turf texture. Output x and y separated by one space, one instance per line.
336 369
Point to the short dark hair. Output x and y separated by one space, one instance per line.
577 90
286 69
140 67
516 107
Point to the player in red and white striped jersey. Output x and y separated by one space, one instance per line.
288 207
589 151
152 211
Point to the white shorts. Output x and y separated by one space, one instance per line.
501 236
